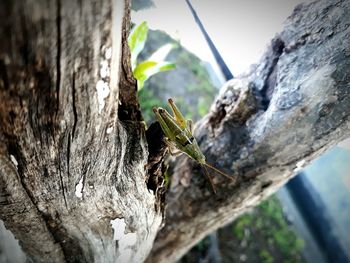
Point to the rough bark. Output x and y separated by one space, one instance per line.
73 150
74 156
264 126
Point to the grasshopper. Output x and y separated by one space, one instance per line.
178 132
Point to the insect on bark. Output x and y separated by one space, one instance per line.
178 132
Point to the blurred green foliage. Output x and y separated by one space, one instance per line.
262 235
147 101
241 223
269 223
265 256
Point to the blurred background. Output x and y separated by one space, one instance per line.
308 220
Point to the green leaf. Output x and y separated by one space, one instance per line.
136 41
164 65
161 53
146 69
140 71
140 84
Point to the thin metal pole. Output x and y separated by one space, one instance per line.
221 63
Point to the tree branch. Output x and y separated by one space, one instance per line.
264 126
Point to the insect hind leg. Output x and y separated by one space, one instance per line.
209 178
172 149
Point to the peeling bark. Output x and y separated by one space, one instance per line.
287 110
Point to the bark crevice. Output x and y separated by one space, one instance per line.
58 56
156 168
74 107
266 91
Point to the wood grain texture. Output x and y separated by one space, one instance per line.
74 155
79 166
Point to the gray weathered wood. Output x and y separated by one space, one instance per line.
73 152
76 166
264 126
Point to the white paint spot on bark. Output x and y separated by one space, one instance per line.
79 189
104 70
102 93
299 166
125 241
108 54
13 160
109 130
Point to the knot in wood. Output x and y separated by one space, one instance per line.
235 104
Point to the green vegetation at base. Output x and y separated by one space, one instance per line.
269 231
261 236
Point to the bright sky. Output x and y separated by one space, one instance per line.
239 29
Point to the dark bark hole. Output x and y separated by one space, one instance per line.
126 113
3 74
129 107
46 172
12 116
266 184
270 82
157 149
14 150
42 104
216 119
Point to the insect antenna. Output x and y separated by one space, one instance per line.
208 176
220 172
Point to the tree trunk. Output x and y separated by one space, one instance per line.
265 126
79 177
72 145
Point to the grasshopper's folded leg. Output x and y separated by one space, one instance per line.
180 119
168 134
163 124
172 149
